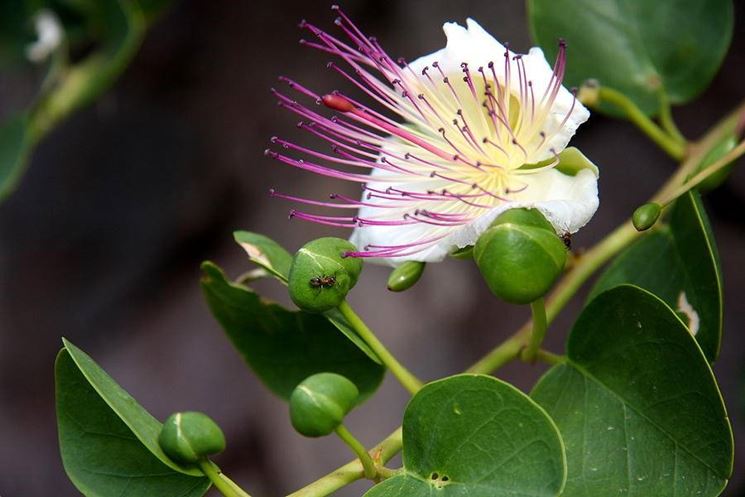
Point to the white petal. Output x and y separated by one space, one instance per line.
568 202
476 47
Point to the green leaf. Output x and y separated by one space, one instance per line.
637 47
276 261
637 404
284 347
108 441
680 264
14 150
471 435
265 252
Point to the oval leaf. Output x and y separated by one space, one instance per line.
476 435
636 46
637 404
108 441
680 264
284 347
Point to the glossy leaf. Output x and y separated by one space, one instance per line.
14 150
680 264
276 261
637 404
284 347
108 442
471 435
636 46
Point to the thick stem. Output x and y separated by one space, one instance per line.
351 471
404 376
221 482
359 449
673 147
538 330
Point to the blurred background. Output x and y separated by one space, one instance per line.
102 241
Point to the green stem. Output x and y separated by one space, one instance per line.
550 358
408 380
667 121
351 471
718 165
669 144
503 353
538 330
222 483
359 449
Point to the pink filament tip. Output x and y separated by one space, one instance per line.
337 102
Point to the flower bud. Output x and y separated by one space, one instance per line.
405 276
321 276
318 404
646 215
520 256
187 437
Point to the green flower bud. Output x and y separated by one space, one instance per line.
320 276
646 215
405 276
318 404
520 256
187 437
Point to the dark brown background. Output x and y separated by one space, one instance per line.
102 242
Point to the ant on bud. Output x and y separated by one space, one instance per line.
323 281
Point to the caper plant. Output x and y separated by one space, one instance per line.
463 153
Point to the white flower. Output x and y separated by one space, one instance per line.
457 137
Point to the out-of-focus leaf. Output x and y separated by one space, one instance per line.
638 47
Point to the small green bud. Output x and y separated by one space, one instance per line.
320 402
520 257
405 276
187 437
321 276
646 215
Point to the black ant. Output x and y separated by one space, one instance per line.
567 239
323 281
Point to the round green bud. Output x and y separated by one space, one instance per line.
318 404
187 437
519 256
405 276
321 275
646 215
